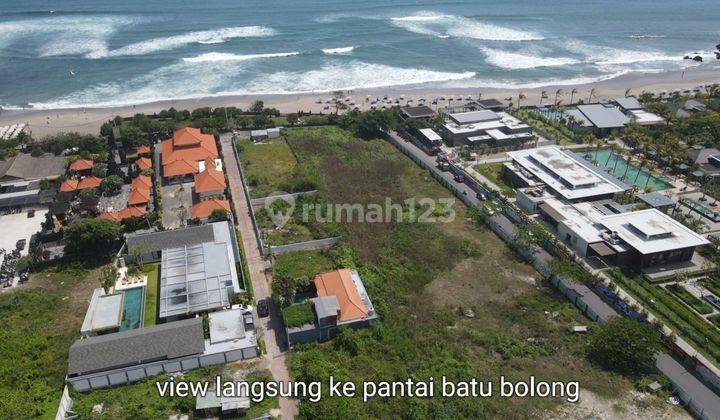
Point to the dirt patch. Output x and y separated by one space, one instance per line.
636 405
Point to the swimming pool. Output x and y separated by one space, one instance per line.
630 174
132 308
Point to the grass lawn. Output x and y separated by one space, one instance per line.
151 293
421 278
493 171
142 401
40 321
704 336
271 167
298 315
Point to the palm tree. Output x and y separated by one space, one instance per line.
543 95
572 95
627 92
592 92
557 93
521 96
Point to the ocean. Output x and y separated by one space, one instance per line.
84 53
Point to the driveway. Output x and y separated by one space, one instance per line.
273 335
176 203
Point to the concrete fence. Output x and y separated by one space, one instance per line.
64 411
258 237
260 202
304 246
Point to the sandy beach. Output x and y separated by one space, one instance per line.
88 120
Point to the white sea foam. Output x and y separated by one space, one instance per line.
215 56
336 51
444 26
188 80
214 36
515 61
354 75
64 35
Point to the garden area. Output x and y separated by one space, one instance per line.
271 167
423 279
493 172
551 129
152 288
141 400
40 322
668 308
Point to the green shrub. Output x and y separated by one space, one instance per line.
298 315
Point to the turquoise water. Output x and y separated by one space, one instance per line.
132 308
72 53
629 174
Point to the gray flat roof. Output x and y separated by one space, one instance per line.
228 325
197 278
628 102
474 116
326 306
104 312
655 199
157 241
135 347
604 116
421 111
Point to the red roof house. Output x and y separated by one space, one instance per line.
204 209
189 145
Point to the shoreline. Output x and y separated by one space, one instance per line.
43 122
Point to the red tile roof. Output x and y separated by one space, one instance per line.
210 179
189 136
204 208
339 283
126 213
180 167
139 196
81 165
142 180
189 144
142 150
89 182
144 163
69 185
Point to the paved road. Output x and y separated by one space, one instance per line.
274 335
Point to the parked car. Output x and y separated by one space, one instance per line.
263 308
481 196
31 213
459 178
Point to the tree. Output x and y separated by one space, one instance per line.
292 119
91 237
100 170
372 124
625 346
112 184
108 277
132 136
244 122
218 214
573 92
257 107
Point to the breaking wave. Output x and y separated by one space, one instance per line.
215 36
64 35
445 26
515 61
213 57
335 51
190 80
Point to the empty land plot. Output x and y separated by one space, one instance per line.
421 279
271 167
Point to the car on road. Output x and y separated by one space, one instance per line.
459 178
263 308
